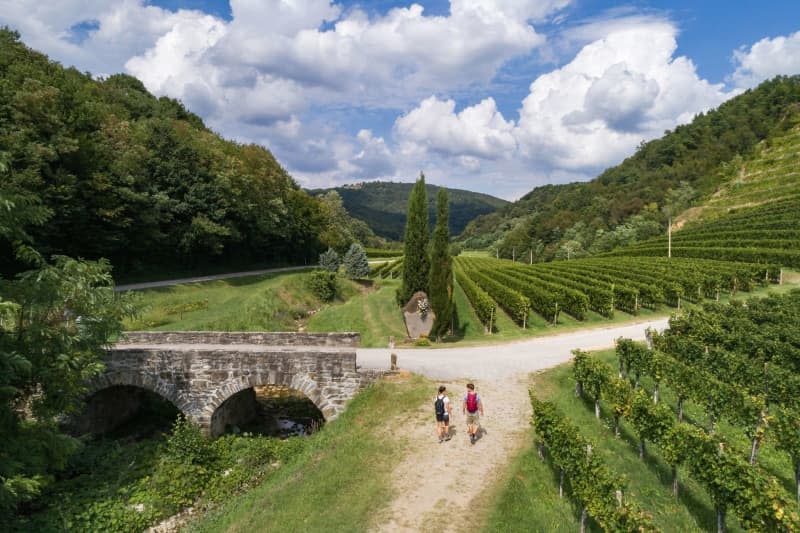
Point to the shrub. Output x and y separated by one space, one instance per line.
322 284
355 262
330 260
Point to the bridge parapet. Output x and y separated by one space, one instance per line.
242 337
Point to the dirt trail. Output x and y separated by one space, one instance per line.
444 487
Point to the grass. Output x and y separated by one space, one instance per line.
269 302
341 481
530 500
374 314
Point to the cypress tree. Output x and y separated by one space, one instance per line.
441 278
416 263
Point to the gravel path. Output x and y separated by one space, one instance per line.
502 361
450 486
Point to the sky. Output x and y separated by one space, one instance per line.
494 96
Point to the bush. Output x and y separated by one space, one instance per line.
456 249
356 265
330 260
322 284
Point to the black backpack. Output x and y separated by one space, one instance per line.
439 406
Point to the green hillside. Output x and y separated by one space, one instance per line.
113 172
382 205
680 169
754 216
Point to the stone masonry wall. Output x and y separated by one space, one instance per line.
198 380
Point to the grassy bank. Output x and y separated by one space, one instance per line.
341 480
269 302
530 501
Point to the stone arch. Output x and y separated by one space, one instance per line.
143 381
300 381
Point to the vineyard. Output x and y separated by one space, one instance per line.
767 233
600 285
709 397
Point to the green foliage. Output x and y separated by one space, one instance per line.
322 284
120 174
121 487
441 273
329 260
593 484
355 262
54 323
416 261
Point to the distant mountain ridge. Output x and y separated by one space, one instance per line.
383 205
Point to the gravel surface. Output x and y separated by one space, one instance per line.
501 361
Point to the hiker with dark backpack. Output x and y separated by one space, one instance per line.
442 409
471 407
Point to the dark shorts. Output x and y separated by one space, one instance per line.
443 418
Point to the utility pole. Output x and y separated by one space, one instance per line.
669 238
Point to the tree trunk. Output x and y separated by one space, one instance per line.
561 483
642 449
584 516
655 393
578 389
597 408
636 383
721 521
675 480
541 450
616 425
711 423
680 409
797 479
753 451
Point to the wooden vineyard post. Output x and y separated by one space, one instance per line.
669 238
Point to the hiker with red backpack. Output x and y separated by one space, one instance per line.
443 409
471 407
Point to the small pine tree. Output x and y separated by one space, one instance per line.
330 260
416 263
441 276
355 262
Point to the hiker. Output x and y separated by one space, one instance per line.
443 410
471 407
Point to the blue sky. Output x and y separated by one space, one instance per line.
497 96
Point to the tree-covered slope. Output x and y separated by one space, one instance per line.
139 180
683 167
382 205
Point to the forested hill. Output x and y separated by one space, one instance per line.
108 170
632 200
383 205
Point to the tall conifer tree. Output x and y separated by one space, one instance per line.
416 263
441 278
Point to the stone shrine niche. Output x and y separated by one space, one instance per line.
418 316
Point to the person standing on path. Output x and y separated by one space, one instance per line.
471 407
443 410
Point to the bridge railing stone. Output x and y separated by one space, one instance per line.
352 340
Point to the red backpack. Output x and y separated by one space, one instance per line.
472 402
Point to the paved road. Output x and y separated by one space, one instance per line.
167 283
501 361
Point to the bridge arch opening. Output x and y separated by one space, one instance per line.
274 410
124 411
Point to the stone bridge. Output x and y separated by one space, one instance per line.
209 376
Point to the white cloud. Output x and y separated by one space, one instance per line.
617 91
767 58
478 131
